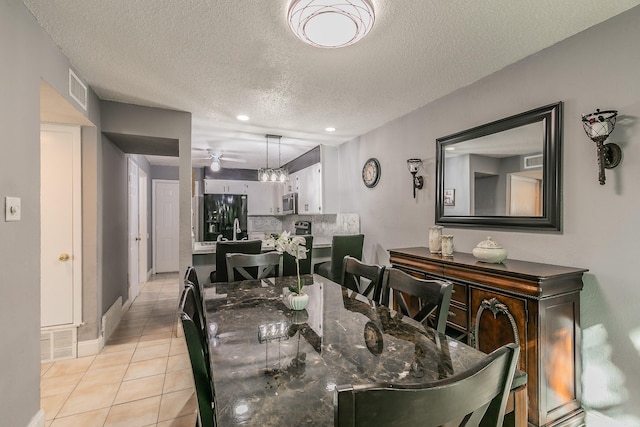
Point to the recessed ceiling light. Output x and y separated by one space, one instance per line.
242 117
330 129
450 148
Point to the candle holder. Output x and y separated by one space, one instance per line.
598 126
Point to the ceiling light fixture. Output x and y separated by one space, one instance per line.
242 117
330 129
327 23
267 174
215 164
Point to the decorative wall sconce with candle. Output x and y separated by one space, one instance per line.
414 166
598 127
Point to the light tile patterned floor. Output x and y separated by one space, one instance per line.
142 377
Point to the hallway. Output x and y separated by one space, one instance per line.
142 377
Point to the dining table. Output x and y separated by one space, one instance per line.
274 366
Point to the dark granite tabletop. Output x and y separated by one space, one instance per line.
276 367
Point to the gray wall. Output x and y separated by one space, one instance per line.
154 122
598 68
165 172
28 55
115 262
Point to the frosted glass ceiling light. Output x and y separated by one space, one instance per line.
215 164
331 23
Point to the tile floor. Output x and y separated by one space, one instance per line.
142 377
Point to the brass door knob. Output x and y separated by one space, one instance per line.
64 257
138 238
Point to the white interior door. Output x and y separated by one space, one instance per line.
165 225
60 221
133 235
142 227
523 196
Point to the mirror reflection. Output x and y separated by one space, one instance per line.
502 174
496 175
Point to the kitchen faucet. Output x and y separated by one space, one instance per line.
236 228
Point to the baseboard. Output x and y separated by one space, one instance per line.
149 274
90 347
37 420
111 319
598 419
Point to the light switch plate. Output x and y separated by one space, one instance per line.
12 211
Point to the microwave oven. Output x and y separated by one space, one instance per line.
290 204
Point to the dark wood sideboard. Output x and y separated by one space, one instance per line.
537 305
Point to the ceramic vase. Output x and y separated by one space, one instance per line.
298 301
447 245
435 239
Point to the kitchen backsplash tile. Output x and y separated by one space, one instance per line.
323 227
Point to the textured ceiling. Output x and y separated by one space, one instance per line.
218 59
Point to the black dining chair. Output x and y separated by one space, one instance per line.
516 412
200 367
190 304
289 261
267 265
474 397
433 296
341 246
353 273
224 248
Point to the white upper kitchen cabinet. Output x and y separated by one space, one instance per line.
264 198
317 185
225 186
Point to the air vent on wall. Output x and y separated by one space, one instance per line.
532 162
77 90
58 344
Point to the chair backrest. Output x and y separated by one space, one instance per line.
192 276
434 295
354 270
201 374
289 262
341 246
463 398
194 308
194 303
238 247
268 264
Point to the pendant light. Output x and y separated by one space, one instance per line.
268 174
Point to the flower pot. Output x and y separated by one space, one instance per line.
298 301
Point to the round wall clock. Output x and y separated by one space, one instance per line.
371 172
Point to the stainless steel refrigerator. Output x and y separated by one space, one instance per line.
220 212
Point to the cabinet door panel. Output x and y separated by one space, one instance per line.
496 330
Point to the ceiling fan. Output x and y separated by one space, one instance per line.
216 156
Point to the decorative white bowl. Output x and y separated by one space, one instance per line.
490 251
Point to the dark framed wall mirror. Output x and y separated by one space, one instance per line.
503 174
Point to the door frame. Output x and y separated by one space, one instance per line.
143 227
76 213
133 214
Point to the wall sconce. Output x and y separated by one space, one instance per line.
418 182
598 127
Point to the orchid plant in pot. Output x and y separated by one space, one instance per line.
296 247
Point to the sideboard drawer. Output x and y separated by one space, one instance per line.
458 317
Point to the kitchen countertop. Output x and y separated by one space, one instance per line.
201 248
